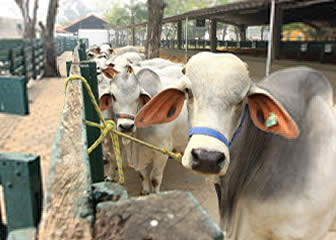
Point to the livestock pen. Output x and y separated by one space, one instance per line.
79 205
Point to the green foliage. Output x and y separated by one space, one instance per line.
141 13
117 16
310 32
65 23
120 15
175 7
295 26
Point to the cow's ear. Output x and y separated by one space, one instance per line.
110 72
97 50
163 108
105 102
130 69
269 115
144 97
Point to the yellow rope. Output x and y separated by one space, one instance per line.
176 156
110 127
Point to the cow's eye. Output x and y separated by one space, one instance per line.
189 93
114 98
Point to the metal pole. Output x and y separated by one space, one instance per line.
270 39
186 40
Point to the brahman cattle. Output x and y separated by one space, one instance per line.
271 145
125 94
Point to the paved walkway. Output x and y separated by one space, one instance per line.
35 132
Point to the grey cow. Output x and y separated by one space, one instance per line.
272 146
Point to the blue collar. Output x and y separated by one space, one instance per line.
214 133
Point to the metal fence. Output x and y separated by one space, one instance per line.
63 44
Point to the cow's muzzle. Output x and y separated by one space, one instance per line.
208 162
126 128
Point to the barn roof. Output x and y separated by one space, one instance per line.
74 26
60 29
256 12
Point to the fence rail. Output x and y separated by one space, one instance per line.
26 58
308 50
63 44
22 58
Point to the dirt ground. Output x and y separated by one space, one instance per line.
35 133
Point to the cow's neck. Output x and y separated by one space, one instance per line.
244 164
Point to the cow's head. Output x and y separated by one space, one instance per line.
125 96
217 88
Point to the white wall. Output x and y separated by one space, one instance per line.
95 36
9 28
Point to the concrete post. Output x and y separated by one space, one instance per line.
179 34
277 32
213 33
242 32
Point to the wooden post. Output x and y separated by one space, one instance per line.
14 95
3 229
213 33
20 177
179 34
88 71
34 61
133 29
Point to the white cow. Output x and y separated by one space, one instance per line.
122 50
127 93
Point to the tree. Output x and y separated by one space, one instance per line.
155 15
29 22
309 31
117 17
136 12
48 33
122 15
72 10
175 7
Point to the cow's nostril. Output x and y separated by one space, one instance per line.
195 158
207 161
221 160
126 127
195 153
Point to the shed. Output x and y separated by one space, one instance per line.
89 22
